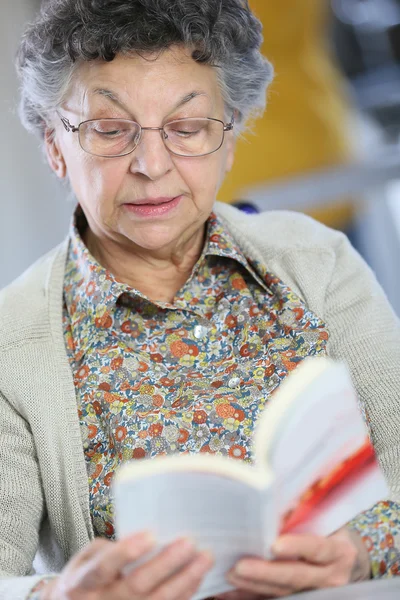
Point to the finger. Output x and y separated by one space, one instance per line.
294 575
177 581
145 578
107 561
311 548
186 583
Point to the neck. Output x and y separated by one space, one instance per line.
158 274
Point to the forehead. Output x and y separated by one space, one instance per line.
158 79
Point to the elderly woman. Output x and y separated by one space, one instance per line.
115 345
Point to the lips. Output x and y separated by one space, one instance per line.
153 207
152 201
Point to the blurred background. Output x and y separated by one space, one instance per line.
328 144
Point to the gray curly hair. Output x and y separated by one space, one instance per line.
221 33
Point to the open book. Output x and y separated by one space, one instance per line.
314 469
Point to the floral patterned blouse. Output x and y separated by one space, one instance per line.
193 376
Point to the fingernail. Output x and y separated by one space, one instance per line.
186 543
277 547
208 555
280 550
147 539
206 559
240 570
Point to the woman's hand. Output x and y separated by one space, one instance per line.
97 572
302 562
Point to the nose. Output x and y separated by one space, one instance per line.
151 158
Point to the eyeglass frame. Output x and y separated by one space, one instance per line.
73 129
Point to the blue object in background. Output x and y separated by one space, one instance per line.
246 207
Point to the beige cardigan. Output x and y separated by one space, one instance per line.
44 495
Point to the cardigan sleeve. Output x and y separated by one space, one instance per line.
22 505
365 333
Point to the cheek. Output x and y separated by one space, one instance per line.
107 178
96 182
203 176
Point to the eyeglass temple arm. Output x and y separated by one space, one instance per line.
68 125
229 126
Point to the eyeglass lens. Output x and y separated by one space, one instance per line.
184 137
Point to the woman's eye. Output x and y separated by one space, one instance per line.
109 133
186 133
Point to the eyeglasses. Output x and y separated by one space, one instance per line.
111 138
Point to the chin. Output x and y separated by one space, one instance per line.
156 236
152 240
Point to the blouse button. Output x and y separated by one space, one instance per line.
234 382
199 332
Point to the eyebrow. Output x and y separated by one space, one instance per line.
115 98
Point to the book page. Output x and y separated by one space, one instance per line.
222 515
314 434
354 494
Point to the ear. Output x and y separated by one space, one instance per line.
230 152
231 145
54 154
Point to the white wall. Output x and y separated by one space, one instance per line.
34 212
378 238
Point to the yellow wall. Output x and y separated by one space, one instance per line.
306 122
